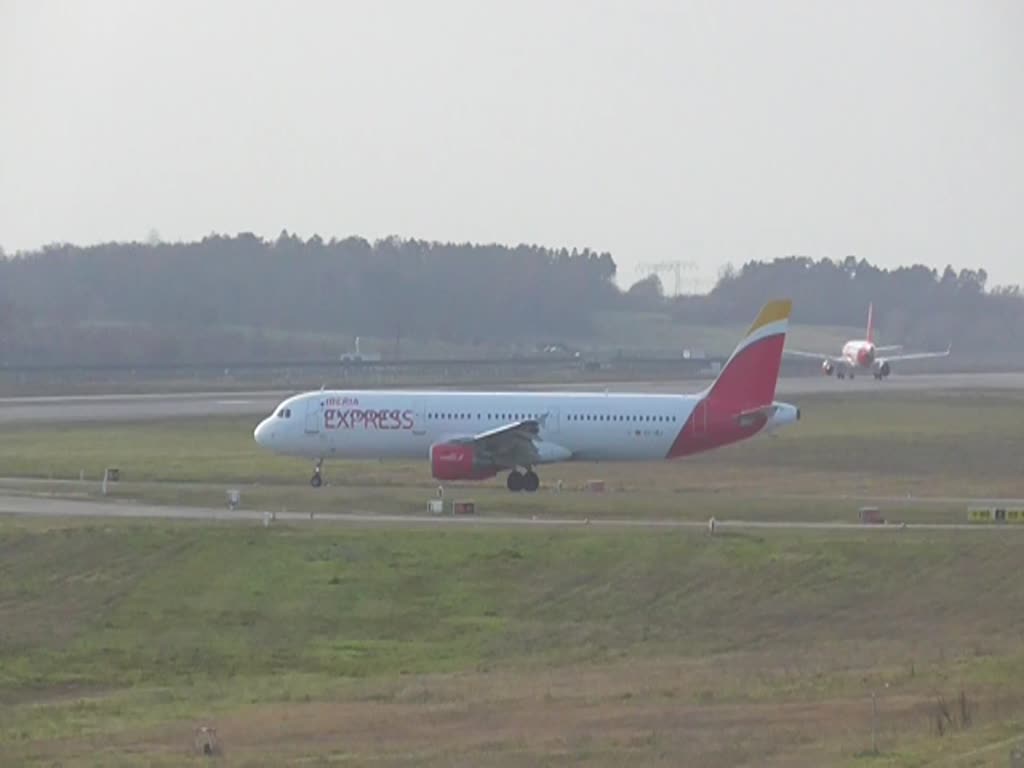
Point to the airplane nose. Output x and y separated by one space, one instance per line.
260 434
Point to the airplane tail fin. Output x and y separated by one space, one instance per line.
871 323
747 381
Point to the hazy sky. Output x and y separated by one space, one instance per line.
713 131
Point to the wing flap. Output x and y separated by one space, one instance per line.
510 444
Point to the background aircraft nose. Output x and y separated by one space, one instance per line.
260 434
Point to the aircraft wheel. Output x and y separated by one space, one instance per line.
514 481
316 481
531 482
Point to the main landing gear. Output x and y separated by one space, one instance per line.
316 480
523 481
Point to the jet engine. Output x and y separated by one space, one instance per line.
827 367
459 461
881 369
782 414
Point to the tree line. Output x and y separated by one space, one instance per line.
243 298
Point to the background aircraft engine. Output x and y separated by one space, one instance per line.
459 461
827 367
881 369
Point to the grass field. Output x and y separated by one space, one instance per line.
321 645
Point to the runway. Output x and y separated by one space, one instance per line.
111 408
29 506
120 408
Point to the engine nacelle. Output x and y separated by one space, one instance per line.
783 414
827 368
459 461
881 368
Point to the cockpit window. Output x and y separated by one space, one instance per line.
280 414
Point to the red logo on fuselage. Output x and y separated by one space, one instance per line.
865 355
368 418
859 353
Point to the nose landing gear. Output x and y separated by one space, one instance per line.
316 480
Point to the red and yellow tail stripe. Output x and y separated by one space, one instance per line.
749 377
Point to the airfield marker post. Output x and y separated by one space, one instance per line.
874 723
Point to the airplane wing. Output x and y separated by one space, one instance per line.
813 355
510 444
916 356
890 348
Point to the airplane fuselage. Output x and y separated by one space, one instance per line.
572 426
859 353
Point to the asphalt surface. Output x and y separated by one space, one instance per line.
111 408
29 506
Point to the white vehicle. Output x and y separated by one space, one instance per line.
476 435
863 355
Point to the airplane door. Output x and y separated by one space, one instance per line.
550 421
314 415
699 420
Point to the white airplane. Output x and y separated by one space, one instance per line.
476 435
862 354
